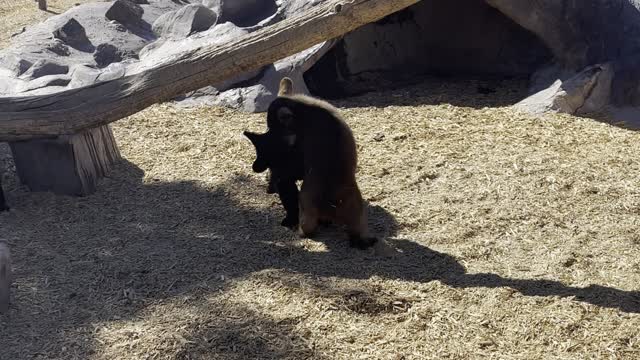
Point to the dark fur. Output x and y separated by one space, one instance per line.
3 203
285 166
285 88
328 149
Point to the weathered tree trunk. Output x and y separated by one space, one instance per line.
79 109
68 164
5 276
605 33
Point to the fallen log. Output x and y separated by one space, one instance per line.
76 110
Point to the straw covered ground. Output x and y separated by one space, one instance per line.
512 238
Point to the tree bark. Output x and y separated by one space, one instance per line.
75 110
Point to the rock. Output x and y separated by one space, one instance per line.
125 12
45 67
45 81
545 76
73 34
83 75
112 72
59 48
15 64
106 54
568 96
242 13
182 23
255 94
215 5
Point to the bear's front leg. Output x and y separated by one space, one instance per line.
288 192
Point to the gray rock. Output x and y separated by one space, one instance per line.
125 12
255 95
83 75
45 81
243 13
572 95
15 64
112 72
106 54
73 34
215 5
58 47
44 67
182 23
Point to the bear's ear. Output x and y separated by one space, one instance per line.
286 87
285 116
252 136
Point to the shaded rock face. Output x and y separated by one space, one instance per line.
182 23
72 34
242 13
125 12
456 37
106 54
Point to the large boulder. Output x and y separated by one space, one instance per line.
585 92
184 22
243 13
73 34
584 34
125 12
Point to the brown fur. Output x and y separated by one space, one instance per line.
329 189
285 88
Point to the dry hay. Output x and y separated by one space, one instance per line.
16 14
517 239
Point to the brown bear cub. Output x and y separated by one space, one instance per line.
327 147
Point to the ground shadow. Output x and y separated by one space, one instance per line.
106 257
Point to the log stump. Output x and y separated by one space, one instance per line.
5 276
66 165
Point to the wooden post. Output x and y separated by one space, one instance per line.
69 164
42 5
5 276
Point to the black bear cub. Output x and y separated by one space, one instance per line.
285 166
3 203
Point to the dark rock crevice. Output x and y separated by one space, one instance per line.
465 38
